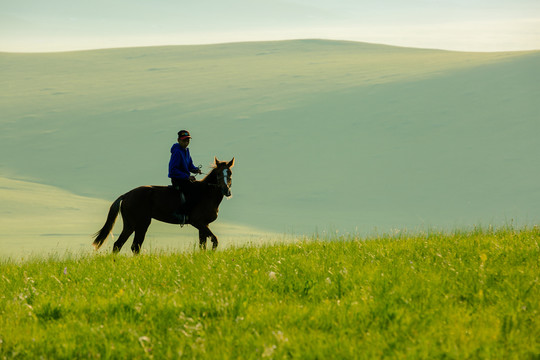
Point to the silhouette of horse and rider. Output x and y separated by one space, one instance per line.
187 201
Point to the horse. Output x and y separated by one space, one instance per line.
142 204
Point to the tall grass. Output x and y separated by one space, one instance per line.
463 295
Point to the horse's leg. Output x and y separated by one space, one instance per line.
202 239
203 234
213 238
208 233
126 233
140 233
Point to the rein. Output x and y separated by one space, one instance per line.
217 185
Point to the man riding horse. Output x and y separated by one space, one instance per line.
144 203
180 169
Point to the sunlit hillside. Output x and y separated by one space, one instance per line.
327 135
38 220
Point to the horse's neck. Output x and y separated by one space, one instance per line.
211 182
210 178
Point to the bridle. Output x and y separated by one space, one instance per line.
224 181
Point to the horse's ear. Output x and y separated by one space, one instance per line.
231 163
215 161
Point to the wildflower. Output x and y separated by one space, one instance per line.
269 351
272 275
280 337
65 271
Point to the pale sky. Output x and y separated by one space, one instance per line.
466 25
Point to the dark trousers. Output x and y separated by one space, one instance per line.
181 184
183 187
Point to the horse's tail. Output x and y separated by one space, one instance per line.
102 234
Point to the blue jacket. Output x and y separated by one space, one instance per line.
180 165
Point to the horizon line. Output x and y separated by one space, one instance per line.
71 49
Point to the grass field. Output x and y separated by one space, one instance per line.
469 294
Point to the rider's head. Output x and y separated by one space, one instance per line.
183 138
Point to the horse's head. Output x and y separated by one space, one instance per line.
223 175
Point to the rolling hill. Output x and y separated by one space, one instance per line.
328 135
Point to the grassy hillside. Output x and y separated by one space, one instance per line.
41 220
458 296
327 135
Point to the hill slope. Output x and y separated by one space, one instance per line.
327 135
38 220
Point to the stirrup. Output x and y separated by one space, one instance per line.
184 222
182 218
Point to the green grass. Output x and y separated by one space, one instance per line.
470 294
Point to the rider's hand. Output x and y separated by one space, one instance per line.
192 178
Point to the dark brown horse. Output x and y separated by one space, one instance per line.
140 205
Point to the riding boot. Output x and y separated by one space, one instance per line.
182 196
178 214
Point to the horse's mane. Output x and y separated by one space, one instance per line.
210 176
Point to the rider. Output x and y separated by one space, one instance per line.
180 169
